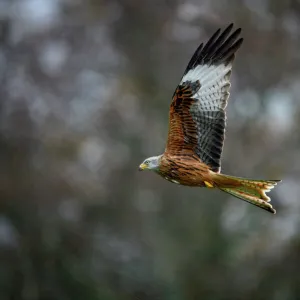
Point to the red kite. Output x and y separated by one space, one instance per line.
197 121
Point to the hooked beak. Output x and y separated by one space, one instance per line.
142 167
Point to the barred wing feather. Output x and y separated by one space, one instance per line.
197 114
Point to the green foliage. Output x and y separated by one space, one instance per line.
85 98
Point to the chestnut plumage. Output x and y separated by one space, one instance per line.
197 121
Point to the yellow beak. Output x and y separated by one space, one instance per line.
142 167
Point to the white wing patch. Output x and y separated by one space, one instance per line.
215 85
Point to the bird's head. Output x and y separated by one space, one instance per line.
151 163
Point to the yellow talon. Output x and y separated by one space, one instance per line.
208 184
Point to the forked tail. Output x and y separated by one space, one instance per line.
252 191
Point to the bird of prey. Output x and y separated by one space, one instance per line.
197 122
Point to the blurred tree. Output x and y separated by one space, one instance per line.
85 93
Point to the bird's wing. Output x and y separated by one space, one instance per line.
197 113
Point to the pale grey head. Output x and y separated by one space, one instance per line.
151 163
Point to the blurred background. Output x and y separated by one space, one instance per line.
85 94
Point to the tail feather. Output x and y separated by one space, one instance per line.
252 191
250 199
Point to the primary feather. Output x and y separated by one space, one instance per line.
199 113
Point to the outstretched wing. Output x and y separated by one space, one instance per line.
197 113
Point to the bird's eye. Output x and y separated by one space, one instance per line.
147 162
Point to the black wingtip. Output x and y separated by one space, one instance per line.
229 27
220 48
